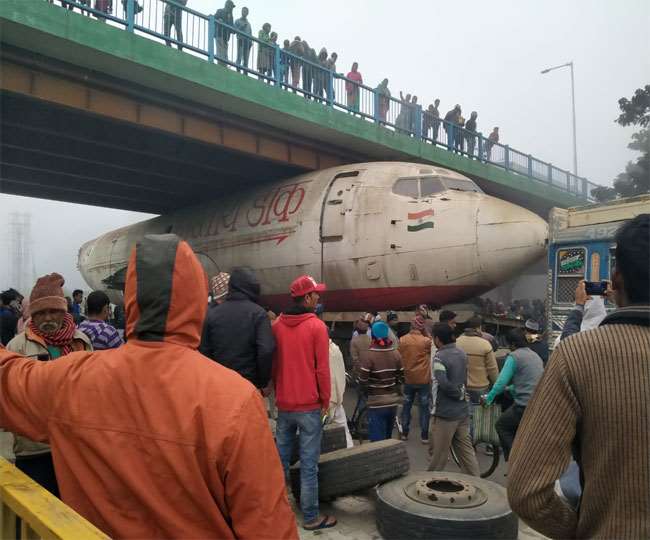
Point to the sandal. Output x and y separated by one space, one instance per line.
324 523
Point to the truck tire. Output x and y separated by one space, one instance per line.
354 469
333 439
403 512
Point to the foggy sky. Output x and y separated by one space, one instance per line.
484 55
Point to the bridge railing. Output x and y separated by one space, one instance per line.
172 23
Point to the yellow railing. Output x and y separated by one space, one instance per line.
42 515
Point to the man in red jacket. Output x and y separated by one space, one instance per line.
301 375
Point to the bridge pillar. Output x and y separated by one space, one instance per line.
506 157
550 173
277 66
130 15
480 146
418 121
530 166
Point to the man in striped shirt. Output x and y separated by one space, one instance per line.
102 335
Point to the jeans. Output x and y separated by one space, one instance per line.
380 423
309 431
506 427
423 391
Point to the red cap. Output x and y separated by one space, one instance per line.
304 285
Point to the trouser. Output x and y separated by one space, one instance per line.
435 128
222 50
380 423
295 74
339 418
446 433
243 52
40 468
423 392
310 430
471 141
506 427
173 17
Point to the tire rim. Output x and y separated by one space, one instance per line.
444 492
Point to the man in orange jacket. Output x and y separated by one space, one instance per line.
154 440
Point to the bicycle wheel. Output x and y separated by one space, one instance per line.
361 431
491 465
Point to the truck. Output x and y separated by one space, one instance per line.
582 246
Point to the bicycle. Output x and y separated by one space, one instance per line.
487 449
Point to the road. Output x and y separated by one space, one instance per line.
356 514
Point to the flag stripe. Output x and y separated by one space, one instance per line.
418 215
426 225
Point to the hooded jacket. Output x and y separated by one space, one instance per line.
238 331
154 440
301 370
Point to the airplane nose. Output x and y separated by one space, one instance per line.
509 239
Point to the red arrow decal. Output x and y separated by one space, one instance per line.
279 238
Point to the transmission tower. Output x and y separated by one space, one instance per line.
20 260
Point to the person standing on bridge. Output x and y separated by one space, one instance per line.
296 48
265 51
593 402
154 440
435 124
223 17
492 140
382 95
243 42
470 130
451 121
173 16
352 88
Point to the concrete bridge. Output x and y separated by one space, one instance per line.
105 114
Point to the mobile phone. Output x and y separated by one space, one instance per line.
596 288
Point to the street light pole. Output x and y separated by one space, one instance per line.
573 107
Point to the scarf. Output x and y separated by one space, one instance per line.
63 336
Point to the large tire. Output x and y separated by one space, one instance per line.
354 469
400 516
333 439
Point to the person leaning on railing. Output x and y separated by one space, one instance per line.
173 16
222 33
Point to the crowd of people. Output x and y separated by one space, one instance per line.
181 402
303 67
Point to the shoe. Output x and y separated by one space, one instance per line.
425 441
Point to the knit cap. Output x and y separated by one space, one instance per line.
48 294
379 330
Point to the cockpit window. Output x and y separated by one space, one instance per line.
430 186
460 185
407 187
426 186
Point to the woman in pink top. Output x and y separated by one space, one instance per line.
352 87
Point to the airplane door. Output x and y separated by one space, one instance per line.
336 214
337 204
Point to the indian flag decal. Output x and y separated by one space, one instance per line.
420 220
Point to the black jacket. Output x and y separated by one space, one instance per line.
8 324
238 334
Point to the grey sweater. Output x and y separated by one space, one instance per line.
450 372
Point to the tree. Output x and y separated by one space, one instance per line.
603 194
636 178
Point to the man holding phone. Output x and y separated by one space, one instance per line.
588 307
